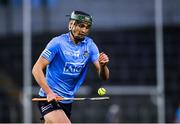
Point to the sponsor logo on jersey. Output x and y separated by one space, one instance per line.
73 68
72 53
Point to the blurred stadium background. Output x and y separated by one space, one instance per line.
141 38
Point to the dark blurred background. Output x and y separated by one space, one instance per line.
125 30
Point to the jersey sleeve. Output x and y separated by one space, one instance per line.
94 52
51 49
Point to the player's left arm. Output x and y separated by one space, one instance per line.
101 66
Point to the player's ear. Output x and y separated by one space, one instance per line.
71 23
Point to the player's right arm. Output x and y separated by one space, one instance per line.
39 76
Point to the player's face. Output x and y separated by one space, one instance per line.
80 30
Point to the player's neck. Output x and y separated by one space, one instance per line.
73 40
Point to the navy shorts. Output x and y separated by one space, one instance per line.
46 107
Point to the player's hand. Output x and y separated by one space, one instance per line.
52 96
103 59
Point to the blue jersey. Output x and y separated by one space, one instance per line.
68 64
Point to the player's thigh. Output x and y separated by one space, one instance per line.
56 116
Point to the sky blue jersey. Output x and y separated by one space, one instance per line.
68 64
